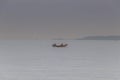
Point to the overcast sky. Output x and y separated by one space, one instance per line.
48 19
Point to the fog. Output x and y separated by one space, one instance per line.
80 60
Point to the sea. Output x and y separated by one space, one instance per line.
80 60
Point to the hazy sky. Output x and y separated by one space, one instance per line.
47 19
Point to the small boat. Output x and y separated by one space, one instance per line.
61 45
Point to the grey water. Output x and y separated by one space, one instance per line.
80 60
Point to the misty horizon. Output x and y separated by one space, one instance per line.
108 37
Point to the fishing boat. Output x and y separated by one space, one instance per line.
59 45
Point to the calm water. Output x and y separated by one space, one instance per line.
80 60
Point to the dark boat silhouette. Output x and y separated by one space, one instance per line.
61 45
